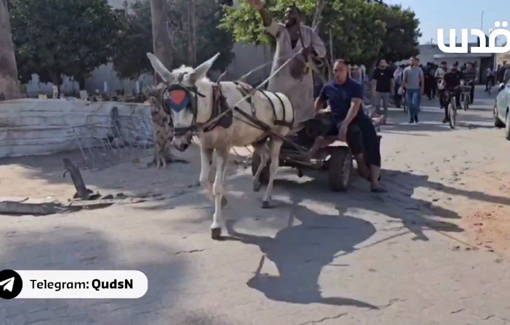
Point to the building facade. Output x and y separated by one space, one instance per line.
432 53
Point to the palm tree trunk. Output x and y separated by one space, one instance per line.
160 38
9 86
163 50
192 52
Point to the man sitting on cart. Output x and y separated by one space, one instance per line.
350 124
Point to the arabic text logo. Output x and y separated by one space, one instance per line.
491 48
10 284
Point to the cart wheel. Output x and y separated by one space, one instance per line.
264 175
339 171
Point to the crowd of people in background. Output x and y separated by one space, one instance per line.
414 80
391 84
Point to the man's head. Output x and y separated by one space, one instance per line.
470 65
341 70
383 64
414 61
455 66
443 65
292 15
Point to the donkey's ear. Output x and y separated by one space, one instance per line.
160 69
202 69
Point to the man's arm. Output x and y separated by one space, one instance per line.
392 84
321 100
422 82
404 81
356 101
319 49
272 27
374 80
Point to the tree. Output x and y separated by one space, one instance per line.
362 30
130 59
56 38
402 32
9 87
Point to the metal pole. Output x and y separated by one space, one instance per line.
481 23
331 44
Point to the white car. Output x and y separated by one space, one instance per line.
502 109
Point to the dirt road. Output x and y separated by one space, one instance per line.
434 250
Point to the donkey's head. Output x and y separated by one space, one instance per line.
180 97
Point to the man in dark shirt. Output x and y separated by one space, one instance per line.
350 124
452 81
470 75
382 86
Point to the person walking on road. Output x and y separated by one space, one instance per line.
506 76
398 76
295 80
414 84
432 81
490 78
471 76
383 85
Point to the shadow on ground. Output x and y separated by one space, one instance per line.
81 249
301 251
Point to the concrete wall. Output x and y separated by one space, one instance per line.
38 126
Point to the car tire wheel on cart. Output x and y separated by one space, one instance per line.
339 169
264 175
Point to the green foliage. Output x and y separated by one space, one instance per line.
130 59
363 30
55 38
134 41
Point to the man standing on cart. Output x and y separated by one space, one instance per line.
295 80
351 124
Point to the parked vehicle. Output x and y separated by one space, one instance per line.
502 108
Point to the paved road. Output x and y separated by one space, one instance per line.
407 257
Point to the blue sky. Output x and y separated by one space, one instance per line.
455 14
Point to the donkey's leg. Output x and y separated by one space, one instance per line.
275 145
205 170
218 191
262 151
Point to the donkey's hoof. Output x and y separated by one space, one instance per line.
266 205
257 186
224 201
216 233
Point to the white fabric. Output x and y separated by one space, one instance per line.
299 92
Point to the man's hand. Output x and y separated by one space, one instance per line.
257 4
308 51
342 133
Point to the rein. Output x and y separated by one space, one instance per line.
213 120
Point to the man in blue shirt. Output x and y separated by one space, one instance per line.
345 98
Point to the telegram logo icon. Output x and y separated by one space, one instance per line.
10 284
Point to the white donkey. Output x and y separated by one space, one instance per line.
222 120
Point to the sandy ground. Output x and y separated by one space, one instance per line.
431 251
